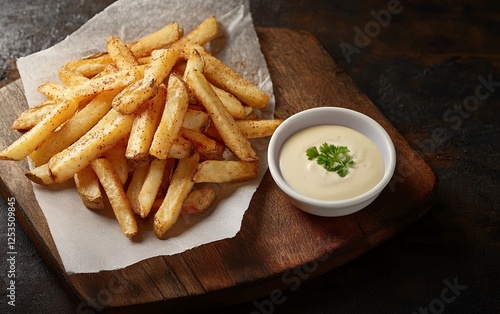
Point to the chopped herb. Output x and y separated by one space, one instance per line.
332 158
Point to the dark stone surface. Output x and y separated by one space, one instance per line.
420 70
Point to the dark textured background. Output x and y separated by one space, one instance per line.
418 70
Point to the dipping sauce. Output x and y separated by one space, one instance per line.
312 180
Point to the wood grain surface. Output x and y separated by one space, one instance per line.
278 245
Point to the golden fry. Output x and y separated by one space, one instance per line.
196 120
145 124
224 77
205 146
40 175
258 128
202 34
116 155
136 94
232 104
53 91
116 195
135 185
90 66
31 116
111 81
198 201
172 118
181 148
180 186
71 78
157 40
121 55
223 121
151 185
76 127
220 171
29 141
112 128
89 188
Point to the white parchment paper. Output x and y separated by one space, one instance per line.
91 241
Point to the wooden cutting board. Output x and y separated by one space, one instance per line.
278 246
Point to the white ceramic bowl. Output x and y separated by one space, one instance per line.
333 116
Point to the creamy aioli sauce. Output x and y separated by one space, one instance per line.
312 180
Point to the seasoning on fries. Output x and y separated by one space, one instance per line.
145 125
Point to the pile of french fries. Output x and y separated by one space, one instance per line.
142 125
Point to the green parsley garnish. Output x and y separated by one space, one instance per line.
332 158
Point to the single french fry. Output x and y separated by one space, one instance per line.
136 94
53 91
116 195
116 156
135 185
111 129
258 128
29 141
150 187
160 66
89 188
181 148
194 61
198 201
165 183
205 146
202 34
196 120
180 186
71 77
157 40
251 114
74 128
226 78
220 171
40 175
172 118
232 104
31 116
121 55
223 121
90 66
145 125
111 81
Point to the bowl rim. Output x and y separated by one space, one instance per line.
273 156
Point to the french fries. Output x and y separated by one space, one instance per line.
145 125
172 118
134 95
31 116
221 118
151 185
198 201
157 40
87 184
30 140
220 171
114 190
180 186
